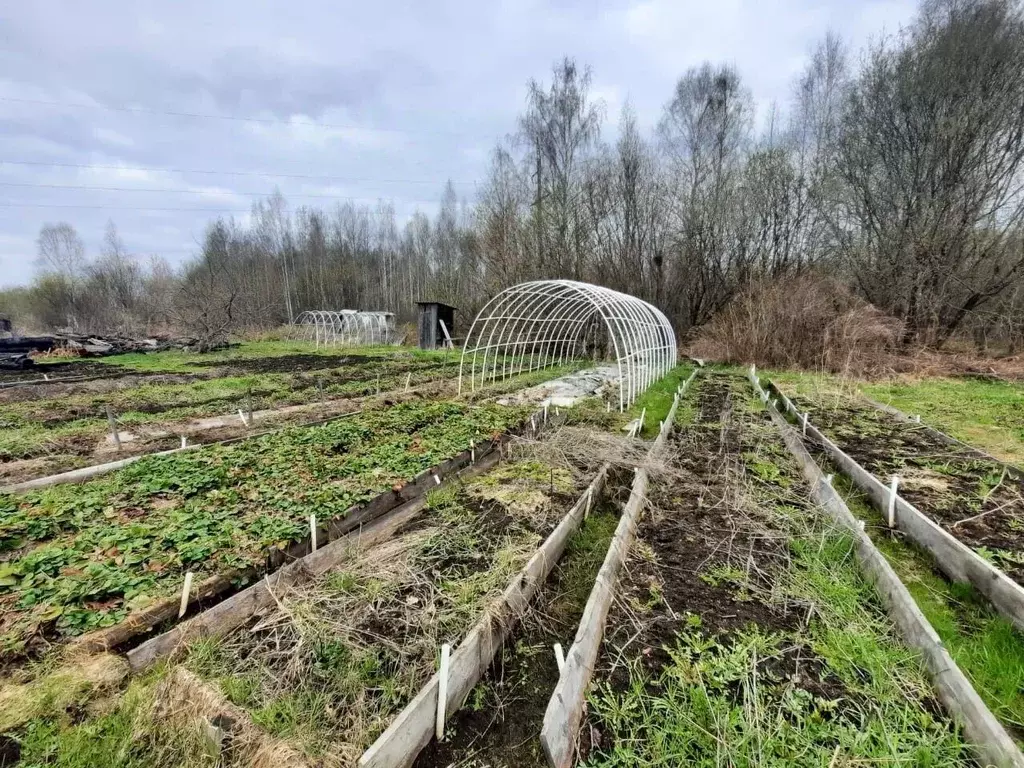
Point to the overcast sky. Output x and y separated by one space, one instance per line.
388 99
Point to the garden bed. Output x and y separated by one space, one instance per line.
500 723
971 496
743 632
78 558
324 669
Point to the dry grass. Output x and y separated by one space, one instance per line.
334 661
809 322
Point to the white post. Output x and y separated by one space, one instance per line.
643 413
917 418
472 452
533 425
559 657
442 691
608 407
46 377
312 533
803 420
184 441
586 506
892 500
545 413
408 379
241 415
437 480
185 590
113 428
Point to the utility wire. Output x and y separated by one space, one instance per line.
133 208
230 118
177 191
310 177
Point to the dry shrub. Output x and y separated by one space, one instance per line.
809 321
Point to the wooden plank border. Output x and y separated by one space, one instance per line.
993 744
958 561
413 727
564 712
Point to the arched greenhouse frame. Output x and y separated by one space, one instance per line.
347 326
549 322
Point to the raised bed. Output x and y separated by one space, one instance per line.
990 739
959 561
976 499
55 538
565 708
742 632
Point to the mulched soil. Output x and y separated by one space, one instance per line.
502 730
963 491
70 369
692 526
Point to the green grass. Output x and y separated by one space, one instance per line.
984 645
987 414
657 399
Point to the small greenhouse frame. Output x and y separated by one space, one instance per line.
550 322
347 326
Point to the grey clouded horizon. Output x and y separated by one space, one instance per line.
389 100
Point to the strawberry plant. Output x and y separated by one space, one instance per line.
78 557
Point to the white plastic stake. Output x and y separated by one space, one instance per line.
241 415
586 506
533 424
803 421
113 428
184 441
442 691
608 407
892 500
408 378
917 418
472 452
46 377
545 413
185 590
437 480
559 657
643 413
312 533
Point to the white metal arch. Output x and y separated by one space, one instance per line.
547 322
347 326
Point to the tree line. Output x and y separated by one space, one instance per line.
898 172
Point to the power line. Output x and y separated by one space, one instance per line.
178 191
144 208
310 177
230 118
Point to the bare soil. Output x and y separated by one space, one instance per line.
965 492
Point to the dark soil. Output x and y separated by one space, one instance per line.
947 482
499 727
287 363
68 370
691 527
